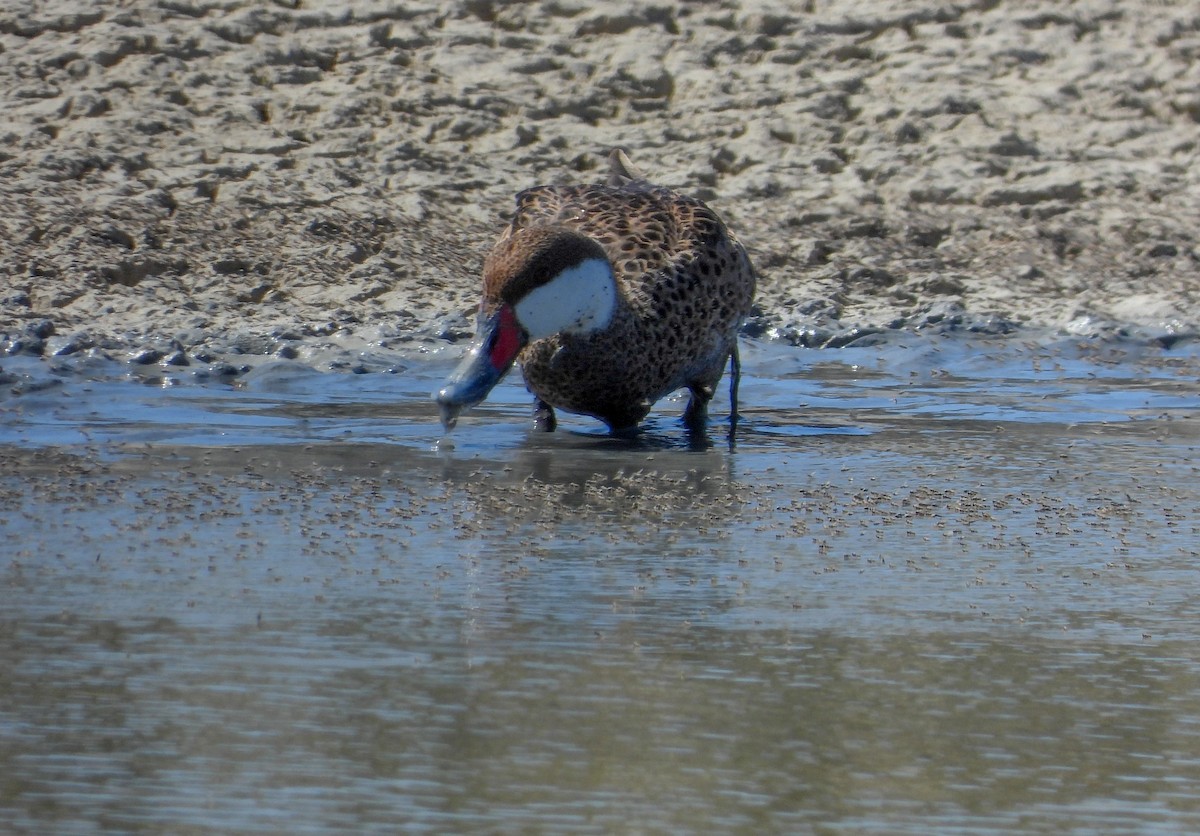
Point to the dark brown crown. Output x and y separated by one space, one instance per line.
531 257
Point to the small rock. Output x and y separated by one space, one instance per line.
40 329
860 337
942 286
113 235
1012 145
947 314
870 276
73 344
20 345
927 236
755 326
819 253
145 356
527 135
908 133
1034 191
226 370
828 165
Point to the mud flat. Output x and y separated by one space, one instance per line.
187 180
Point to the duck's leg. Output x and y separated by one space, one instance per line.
543 416
735 379
696 414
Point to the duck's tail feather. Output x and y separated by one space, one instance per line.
621 170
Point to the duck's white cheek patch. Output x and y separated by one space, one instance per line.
578 300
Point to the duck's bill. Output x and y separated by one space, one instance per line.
495 347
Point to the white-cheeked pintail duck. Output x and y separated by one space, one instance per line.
611 296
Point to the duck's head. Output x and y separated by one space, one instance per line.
537 282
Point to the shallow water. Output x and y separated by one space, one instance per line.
938 584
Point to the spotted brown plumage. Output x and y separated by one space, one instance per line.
682 282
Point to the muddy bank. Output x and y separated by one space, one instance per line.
187 180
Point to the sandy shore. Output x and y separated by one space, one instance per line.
189 177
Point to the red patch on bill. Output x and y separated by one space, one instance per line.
508 339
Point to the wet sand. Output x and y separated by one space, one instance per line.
196 179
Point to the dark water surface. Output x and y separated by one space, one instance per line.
942 585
